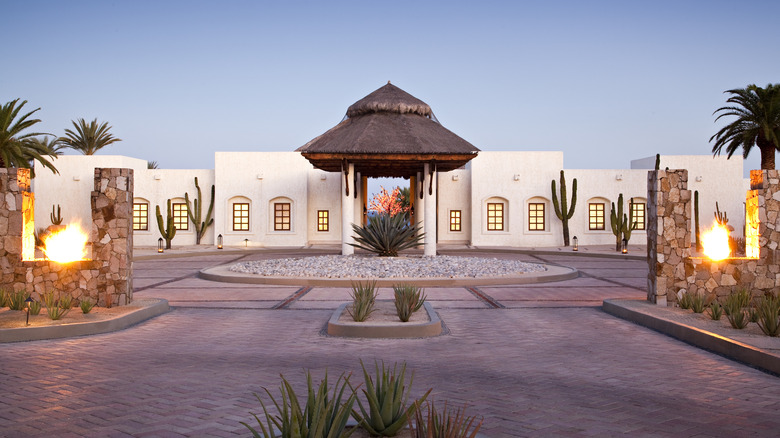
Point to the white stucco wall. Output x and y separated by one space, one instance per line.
264 178
71 188
156 186
324 190
512 178
454 194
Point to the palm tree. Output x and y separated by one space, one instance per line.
18 149
89 138
758 123
54 145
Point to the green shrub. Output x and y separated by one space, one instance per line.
387 411
385 235
408 299
86 305
363 300
736 309
53 308
16 299
35 308
715 310
684 301
768 312
324 415
435 424
66 302
3 298
697 301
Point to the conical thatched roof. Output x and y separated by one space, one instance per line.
389 133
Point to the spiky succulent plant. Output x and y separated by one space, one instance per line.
385 235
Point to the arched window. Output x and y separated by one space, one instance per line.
140 214
281 210
239 210
639 212
597 214
538 211
497 214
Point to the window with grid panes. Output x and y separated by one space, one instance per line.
495 216
141 216
241 216
596 216
454 220
323 220
180 219
536 216
638 210
282 216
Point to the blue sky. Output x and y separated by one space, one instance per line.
603 81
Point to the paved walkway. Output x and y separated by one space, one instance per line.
534 360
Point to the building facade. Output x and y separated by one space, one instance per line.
278 199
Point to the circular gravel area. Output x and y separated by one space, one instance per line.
359 266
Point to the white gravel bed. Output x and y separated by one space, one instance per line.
359 266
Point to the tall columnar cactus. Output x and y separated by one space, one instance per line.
169 230
622 224
195 213
56 219
562 210
696 220
657 161
629 224
721 216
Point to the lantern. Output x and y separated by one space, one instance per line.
624 246
576 244
160 245
219 242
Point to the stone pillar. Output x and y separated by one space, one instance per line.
668 234
14 194
112 236
430 211
347 211
419 203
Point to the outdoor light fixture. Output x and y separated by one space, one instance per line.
159 245
365 211
246 243
27 303
624 246
411 210
576 244
517 177
455 177
219 242
619 177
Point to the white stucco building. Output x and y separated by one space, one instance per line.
278 199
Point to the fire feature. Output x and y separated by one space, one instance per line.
66 245
716 243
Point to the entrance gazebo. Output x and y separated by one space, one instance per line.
389 133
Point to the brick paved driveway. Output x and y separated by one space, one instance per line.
547 362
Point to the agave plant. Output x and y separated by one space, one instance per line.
408 299
715 310
15 300
385 235
768 310
53 307
387 411
735 308
363 300
444 424
323 416
697 301
86 305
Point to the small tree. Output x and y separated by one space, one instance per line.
562 211
388 202
90 137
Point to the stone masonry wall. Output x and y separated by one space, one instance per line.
716 279
107 278
668 233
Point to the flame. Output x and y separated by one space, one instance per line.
716 243
67 245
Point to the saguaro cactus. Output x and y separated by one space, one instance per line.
56 219
562 211
622 224
721 216
195 213
169 230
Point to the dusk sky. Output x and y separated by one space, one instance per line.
603 81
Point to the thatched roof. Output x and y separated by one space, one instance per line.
389 133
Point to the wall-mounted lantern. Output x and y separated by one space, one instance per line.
160 245
576 244
219 242
624 246
517 177
246 243
619 177
455 177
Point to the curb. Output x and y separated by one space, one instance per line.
729 348
24 334
554 273
399 330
